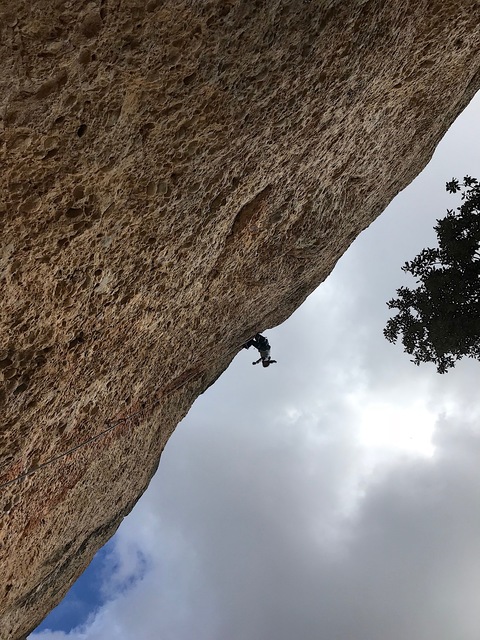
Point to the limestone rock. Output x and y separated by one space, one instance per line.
177 175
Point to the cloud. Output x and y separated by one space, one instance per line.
296 536
291 502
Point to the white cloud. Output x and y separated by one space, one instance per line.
396 427
333 496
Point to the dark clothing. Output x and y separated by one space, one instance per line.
263 346
259 342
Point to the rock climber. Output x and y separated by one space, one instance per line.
263 346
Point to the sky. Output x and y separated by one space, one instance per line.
333 496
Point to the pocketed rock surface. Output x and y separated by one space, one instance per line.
176 176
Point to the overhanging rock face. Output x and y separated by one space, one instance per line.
176 176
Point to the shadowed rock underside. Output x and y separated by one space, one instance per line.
176 176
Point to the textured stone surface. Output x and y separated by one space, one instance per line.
177 175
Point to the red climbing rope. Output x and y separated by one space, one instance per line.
173 386
177 382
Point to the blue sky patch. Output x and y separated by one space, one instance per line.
83 599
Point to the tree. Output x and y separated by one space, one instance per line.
439 321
